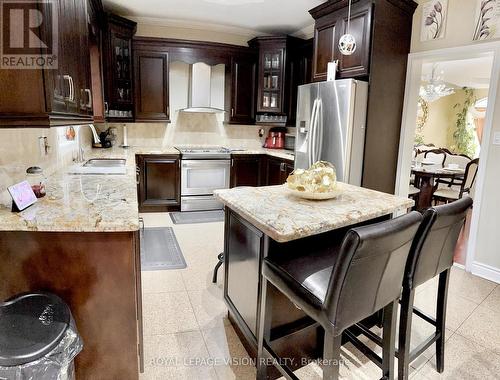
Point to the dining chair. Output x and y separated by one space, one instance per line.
454 192
458 159
446 150
340 288
425 147
431 255
417 156
436 156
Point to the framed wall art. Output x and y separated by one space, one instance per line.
434 18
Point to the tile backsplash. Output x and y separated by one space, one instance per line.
20 149
193 129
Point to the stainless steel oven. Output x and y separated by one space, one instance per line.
202 172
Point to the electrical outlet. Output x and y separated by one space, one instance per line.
496 138
43 146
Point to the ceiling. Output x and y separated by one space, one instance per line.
259 16
473 73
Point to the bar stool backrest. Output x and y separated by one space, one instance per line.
369 269
434 245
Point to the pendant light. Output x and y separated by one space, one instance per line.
347 42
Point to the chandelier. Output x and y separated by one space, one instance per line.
434 88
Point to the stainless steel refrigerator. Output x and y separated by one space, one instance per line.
331 119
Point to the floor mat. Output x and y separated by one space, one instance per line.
197 217
160 250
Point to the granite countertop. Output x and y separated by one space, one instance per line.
93 203
284 217
278 153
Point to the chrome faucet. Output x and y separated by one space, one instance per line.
80 152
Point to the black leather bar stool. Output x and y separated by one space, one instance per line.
431 255
220 257
342 288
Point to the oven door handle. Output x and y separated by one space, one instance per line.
205 163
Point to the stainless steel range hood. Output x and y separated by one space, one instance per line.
206 88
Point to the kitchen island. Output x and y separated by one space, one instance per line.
268 221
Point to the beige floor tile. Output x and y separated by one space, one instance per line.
209 307
156 219
493 300
166 313
177 303
198 276
471 287
353 366
420 331
231 359
483 327
357 366
203 237
177 356
458 310
465 360
162 281
432 283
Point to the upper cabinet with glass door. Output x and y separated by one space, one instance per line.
118 68
280 72
271 81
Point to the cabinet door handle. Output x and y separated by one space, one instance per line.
232 112
106 108
89 94
137 175
232 162
71 89
71 95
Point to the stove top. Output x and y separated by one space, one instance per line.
204 152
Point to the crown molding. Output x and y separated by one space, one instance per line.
196 25
306 32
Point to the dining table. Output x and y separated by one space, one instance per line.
426 177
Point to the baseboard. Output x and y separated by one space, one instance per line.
486 271
458 265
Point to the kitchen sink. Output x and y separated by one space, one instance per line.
105 163
100 166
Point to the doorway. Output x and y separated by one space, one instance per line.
446 113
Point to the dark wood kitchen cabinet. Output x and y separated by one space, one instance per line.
277 170
282 67
382 29
54 95
151 85
300 72
118 75
328 29
247 170
243 89
158 182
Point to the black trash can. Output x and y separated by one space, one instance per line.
38 338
